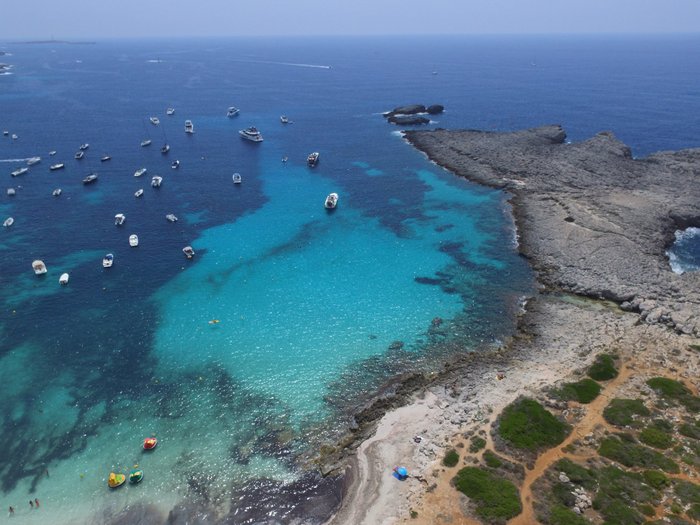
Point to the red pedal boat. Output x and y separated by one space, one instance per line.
150 443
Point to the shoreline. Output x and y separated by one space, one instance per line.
574 316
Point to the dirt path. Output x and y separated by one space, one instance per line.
592 418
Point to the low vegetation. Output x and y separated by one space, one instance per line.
603 368
675 391
451 458
496 499
525 424
622 412
624 449
583 391
476 444
492 460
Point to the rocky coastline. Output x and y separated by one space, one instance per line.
595 224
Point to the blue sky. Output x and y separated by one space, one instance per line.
21 19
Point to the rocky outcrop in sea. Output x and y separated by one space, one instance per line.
412 114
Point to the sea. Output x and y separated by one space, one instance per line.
250 358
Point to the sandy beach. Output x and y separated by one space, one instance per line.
602 289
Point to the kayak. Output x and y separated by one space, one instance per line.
150 443
135 476
115 480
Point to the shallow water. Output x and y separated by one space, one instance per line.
288 315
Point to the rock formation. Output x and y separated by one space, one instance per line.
592 220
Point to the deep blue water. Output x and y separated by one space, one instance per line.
310 305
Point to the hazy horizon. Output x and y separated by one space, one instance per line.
80 19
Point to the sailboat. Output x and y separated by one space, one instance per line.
147 141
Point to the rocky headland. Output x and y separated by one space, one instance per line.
593 220
595 224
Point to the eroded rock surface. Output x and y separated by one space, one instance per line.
592 219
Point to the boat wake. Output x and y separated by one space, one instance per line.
293 64
15 160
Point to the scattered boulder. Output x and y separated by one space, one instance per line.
435 109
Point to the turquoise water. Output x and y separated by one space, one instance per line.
247 357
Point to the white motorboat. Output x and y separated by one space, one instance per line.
284 119
8 222
171 217
90 178
237 179
119 219
108 260
85 146
56 192
331 201
188 251
39 267
63 279
156 181
79 155
20 171
14 136
154 120
232 111
189 127
165 148
105 158
6 133
11 191
133 240
251 134
139 192
33 160
146 142
312 159
52 153
175 165
140 172
170 111
58 166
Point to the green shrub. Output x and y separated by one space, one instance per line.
656 438
690 430
451 458
563 494
413 514
620 412
603 368
527 425
694 347
668 387
576 473
675 391
623 450
694 511
655 479
617 484
647 510
492 460
476 444
687 492
560 515
583 391
619 513
496 498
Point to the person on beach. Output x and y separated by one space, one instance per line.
12 510
31 503
36 502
